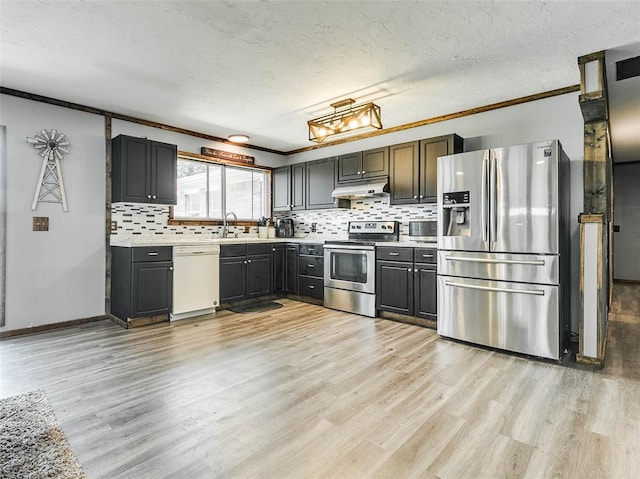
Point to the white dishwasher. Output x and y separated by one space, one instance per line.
196 288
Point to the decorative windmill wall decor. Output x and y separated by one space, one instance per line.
52 146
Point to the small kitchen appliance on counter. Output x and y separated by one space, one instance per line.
350 266
284 228
424 231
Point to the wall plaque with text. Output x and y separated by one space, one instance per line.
227 155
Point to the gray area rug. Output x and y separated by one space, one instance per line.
258 307
33 445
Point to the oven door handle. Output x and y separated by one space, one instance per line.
348 247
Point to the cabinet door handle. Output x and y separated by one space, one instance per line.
154 197
415 197
421 196
409 270
244 262
310 286
363 172
152 253
394 254
149 196
248 261
359 173
273 249
170 268
427 256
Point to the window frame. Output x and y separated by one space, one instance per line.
225 163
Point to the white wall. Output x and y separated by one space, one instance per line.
57 275
192 144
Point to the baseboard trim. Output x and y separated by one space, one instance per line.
51 327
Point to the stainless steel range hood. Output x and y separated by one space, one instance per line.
362 190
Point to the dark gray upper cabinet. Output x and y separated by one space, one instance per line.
281 188
143 171
288 187
363 165
430 150
375 163
350 167
321 180
404 173
298 186
413 173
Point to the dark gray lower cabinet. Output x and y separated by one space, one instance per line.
394 287
406 281
245 271
426 299
141 281
233 279
278 266
291 269
311 271
258 274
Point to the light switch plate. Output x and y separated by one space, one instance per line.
40 223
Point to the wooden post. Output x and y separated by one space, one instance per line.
593 289
595 223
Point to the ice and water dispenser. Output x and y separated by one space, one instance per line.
456 213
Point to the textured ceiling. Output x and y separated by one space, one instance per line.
265 68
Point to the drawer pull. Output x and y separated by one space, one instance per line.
533 262
536 292
310 265
152 253
394 254
427 256
310 286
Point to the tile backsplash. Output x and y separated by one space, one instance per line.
334 221
141 219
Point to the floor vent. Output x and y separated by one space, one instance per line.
628 68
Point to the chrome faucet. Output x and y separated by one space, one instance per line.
225 228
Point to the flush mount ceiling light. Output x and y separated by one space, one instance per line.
345 117
237 138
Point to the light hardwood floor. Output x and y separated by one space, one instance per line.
305 391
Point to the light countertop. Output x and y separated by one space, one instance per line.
195 240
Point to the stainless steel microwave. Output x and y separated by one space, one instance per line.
426 230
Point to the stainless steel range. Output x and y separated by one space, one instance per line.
350 266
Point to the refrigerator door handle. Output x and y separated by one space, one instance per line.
493 188
533 262
484 197
535 292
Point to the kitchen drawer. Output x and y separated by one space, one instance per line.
148 253
311 266
394 253
312 249
426 255
258 248
310 286
233 250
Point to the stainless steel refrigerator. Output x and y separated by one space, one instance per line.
503 248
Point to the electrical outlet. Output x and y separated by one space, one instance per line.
114 226
40 223
314 227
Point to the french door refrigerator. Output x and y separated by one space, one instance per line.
503 248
